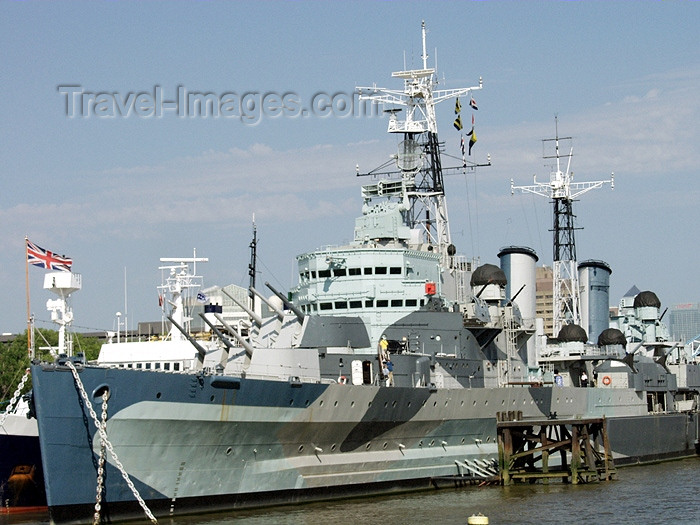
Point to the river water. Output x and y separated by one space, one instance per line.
665 493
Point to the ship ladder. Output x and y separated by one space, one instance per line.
476 468
491 465
105 444
15 398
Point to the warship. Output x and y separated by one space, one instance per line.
386 368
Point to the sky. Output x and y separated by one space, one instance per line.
98 162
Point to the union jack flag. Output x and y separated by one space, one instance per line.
46 259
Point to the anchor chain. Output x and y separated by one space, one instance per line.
107 444
15 398
101 462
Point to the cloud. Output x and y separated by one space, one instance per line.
134 201
649 131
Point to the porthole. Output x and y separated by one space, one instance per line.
301 448
332 447
368 445
352 403
432 442
335 404
384 445
320 403
210 399
158 394
229 450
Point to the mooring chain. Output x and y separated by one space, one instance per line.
15 398
101 462
106 443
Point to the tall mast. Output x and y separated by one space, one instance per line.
563 191
252 265
425 54
422 186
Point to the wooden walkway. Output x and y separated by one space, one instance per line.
526 447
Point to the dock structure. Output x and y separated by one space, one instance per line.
526 447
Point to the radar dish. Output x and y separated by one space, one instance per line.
409 156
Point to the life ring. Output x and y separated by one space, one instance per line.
607 380
342 380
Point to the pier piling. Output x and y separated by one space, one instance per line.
526 447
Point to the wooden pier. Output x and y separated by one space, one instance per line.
526 447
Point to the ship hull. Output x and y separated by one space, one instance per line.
653 437
194 442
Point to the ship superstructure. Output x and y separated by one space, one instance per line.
402 256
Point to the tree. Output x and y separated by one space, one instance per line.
90 346
14 358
